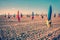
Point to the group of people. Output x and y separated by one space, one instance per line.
19 16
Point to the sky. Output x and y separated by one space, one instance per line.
29 6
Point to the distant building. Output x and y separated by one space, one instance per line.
36 14
28 16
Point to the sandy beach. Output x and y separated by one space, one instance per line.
28 29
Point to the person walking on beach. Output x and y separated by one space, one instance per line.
21 15
32 15
42 16
49 16
8 16
18 16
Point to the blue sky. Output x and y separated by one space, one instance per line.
30 4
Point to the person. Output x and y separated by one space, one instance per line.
8 16
18 16
32 15
21 15
42 16
54 15
5 15
49 17
14 15
59 15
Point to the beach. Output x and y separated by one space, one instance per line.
28 29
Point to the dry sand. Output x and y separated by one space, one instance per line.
28 29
